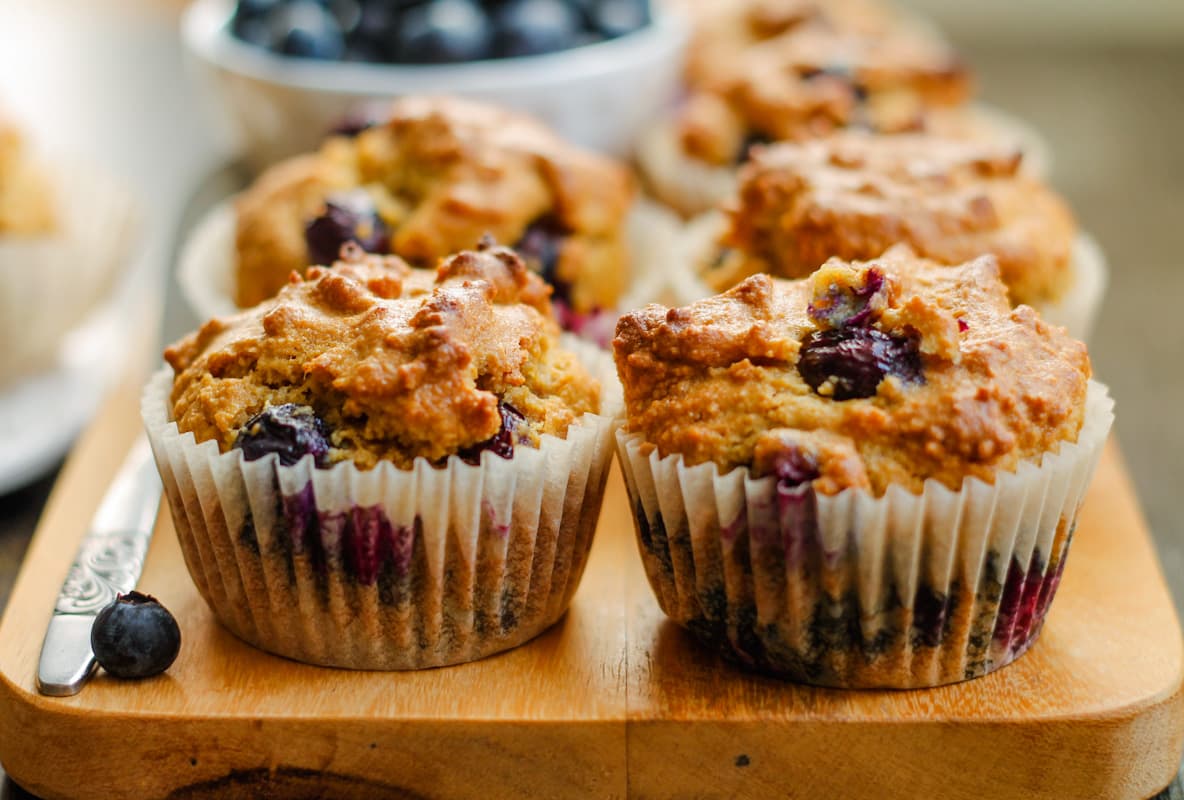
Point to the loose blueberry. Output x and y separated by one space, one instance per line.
540 247
613 18
135 637
855 360
306 29
348 217
289 430
443 31
533 27
502 442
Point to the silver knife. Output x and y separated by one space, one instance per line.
109 563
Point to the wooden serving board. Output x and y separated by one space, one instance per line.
613 702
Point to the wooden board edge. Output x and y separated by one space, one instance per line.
60 754
1128 756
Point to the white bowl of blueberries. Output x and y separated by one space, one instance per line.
289 71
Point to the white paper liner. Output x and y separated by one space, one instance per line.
688 185
205 269
48 283
471 560
1076 311
994 124
902 591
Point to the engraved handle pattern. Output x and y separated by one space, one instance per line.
108 564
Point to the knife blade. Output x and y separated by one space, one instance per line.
109 561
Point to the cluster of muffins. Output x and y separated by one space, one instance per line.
61 240
855 455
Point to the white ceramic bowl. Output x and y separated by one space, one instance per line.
600 95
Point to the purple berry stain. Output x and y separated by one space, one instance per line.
502 442
1018 617
363 537
290 431
348 217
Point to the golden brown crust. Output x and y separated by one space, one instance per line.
399 362
443 173
26 200
854 195
718 381
788 71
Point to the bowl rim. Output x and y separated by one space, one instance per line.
206 33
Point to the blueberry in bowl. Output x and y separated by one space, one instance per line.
288 70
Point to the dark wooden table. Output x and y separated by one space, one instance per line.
1115 121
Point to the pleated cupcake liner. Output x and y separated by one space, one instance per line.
206 267
1076 311
854 591
388 568
693 187
48 283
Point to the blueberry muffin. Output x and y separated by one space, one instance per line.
854 195
26 199
64 228
786 70
431 180
386 467
868 477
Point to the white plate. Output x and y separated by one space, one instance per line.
41 415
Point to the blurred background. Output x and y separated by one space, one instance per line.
1102 80
107 80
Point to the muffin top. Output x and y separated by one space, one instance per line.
374 360
864 375
855 194
788 70
26 201
431 180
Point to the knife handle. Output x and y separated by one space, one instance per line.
109 562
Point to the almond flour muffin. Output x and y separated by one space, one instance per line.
26 199
386 467
783 70
431 180
854 195
869 477
64 228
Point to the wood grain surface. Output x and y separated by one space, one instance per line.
612 702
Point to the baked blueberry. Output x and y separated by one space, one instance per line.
443 31
348 217
135 637
852 361
540 247
533 27
291 431
502 442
